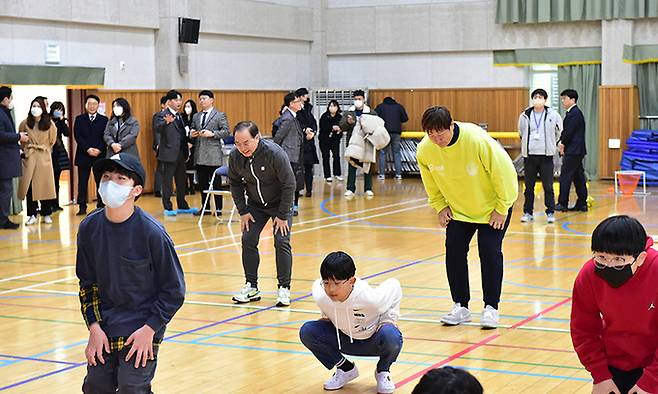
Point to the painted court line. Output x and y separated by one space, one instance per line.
477 345
36 273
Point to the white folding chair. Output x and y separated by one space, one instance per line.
211 191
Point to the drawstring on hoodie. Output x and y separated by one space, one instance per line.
349 325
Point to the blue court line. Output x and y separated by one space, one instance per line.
43 360
323 206
221 334
22 382
565 227
372 359
5 363
536 287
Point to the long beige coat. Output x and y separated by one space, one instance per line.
37 164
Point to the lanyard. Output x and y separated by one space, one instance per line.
537 121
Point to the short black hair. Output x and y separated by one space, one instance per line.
5 91
448 380
163 100
207 93
540 92
621 235
92 96
289 98
572 94
337 265
173 94
246 124
301 92
436 118
359 92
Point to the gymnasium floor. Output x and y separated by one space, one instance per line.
215 347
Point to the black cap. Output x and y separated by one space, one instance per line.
125 161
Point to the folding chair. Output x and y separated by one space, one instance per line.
221 171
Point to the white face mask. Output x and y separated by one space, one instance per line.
118 111
113 194
188 110
358 103
538 101
36 111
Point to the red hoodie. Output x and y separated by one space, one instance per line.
618 326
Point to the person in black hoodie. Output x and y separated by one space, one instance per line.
572 147
310 127
330 136
394 115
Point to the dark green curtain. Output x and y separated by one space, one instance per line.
585 79
647 85
534 11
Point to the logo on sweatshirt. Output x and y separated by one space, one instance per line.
651 306
437 168
262 168
472 169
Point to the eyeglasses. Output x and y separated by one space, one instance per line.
618 263
327 283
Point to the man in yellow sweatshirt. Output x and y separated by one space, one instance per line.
472 184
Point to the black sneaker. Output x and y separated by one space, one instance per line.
561 208
578 209
9 225
81 212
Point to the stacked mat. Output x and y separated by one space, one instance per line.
642 154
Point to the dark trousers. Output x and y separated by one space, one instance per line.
117 373
351 179
395 147
6 188
308 177
490 244
33 206
174 171
625 380
54 203
573 171
157 178
250 256
543 165
203 175
330 147
319 336
83 182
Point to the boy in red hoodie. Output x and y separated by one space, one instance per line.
614 320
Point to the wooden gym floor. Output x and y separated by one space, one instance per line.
214 346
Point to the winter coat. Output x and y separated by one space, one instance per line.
552 125
306 119
368 136
289 136
37 164
393 114
126 136
60 156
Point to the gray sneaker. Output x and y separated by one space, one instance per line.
457 315
247 294
527 218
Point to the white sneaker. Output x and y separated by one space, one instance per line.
527 218
339 178
341 378
550 218
489 317
349 194
247 294
457 315
283 297
398 177
31 220
329 180
384 383
381 177
48 219
370 194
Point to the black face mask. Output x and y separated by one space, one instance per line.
615 277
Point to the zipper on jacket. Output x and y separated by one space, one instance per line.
251 167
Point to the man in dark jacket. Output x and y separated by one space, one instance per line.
157 178
572 148
310 127
260 170
9 157
394 115
88 131
172 153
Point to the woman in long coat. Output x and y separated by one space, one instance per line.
38 180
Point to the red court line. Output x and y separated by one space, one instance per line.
477 345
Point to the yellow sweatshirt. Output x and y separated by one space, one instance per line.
473 176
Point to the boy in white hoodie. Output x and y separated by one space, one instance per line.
356 320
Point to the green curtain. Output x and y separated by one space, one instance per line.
536 11
647 84
585 79
557 56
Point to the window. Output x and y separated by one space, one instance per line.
544 76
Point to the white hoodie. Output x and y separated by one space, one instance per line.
364 311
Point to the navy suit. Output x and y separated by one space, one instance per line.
573 139
87 135
10 159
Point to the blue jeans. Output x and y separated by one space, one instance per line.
397 155
319 336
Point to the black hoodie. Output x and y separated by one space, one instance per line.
393 114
